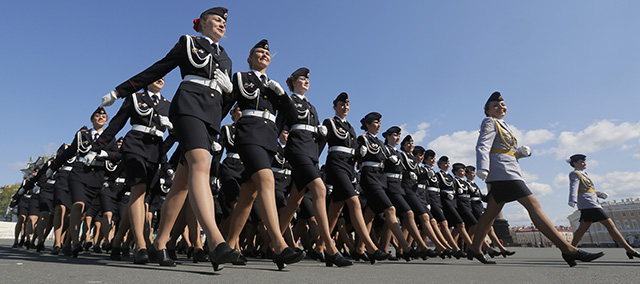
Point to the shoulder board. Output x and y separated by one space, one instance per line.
165 99
83 129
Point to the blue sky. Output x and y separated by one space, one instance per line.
568 71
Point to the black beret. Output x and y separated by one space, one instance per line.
575 158
391 130
418 150
430 153
99 110
443 159
457 166
262 44
220 11
368 119
342 97
301 72
406 139
471 168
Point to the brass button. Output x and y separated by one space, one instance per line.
265 97
212 95
155 114
217 65
265 122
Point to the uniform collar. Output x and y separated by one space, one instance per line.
209 40
93 132
340 119
151 94
302 97
258 74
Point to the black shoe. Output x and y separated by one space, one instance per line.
115 254
126 252
141 256
21 243
88 246
460 254
40 246
445 253
479 256
199 256
153 254
189 252
316 255
358 256
287 256
424 254
66 250
76 249
97 249
337 259
162 256
582 256
432 253
633 254
172 254
27 245
15 245
393 257
106 247
223 253
377 255
55 250
241 260
409 255
507 253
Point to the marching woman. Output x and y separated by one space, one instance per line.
371 155
61 201
583 193
341 174
142 153
449 199
416 197
497 156
394 168
256 140
196 111
302 151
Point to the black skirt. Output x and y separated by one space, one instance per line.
508 190
193 133
305 170
254 158
593 215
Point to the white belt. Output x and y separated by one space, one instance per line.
259 113
149 130
94 163
476 199
447 191
396 176
304 127
51 181
342 149
286 172
434 189
233 155
464 195
422 186
120 180
67 168
203 81
372 164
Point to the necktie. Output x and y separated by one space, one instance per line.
95 136
216 49
263 78
155 99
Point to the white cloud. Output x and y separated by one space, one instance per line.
419 135
18 165
540 189
596 137
532 137
50 148
459 146
618 185
529 177
561 181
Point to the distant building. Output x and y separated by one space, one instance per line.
532 237
624 213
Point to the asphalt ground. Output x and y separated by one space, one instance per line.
528 265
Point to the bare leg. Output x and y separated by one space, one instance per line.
579 233
172 206
615 234
544 224
444 229
427 231
58 224
74 222
137 214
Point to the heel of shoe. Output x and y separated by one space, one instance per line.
570 260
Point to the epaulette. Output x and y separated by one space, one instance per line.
83 129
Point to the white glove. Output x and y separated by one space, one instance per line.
166 122
363 151
602 195
216 147
413 176
223 81
394 159
109 99
322 130
170 172
21 191
275 86
35 190
523 152
450 196
103 154
482 174
89 157
572 204
48 173
105 185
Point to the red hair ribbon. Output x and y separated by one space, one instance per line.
196 24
